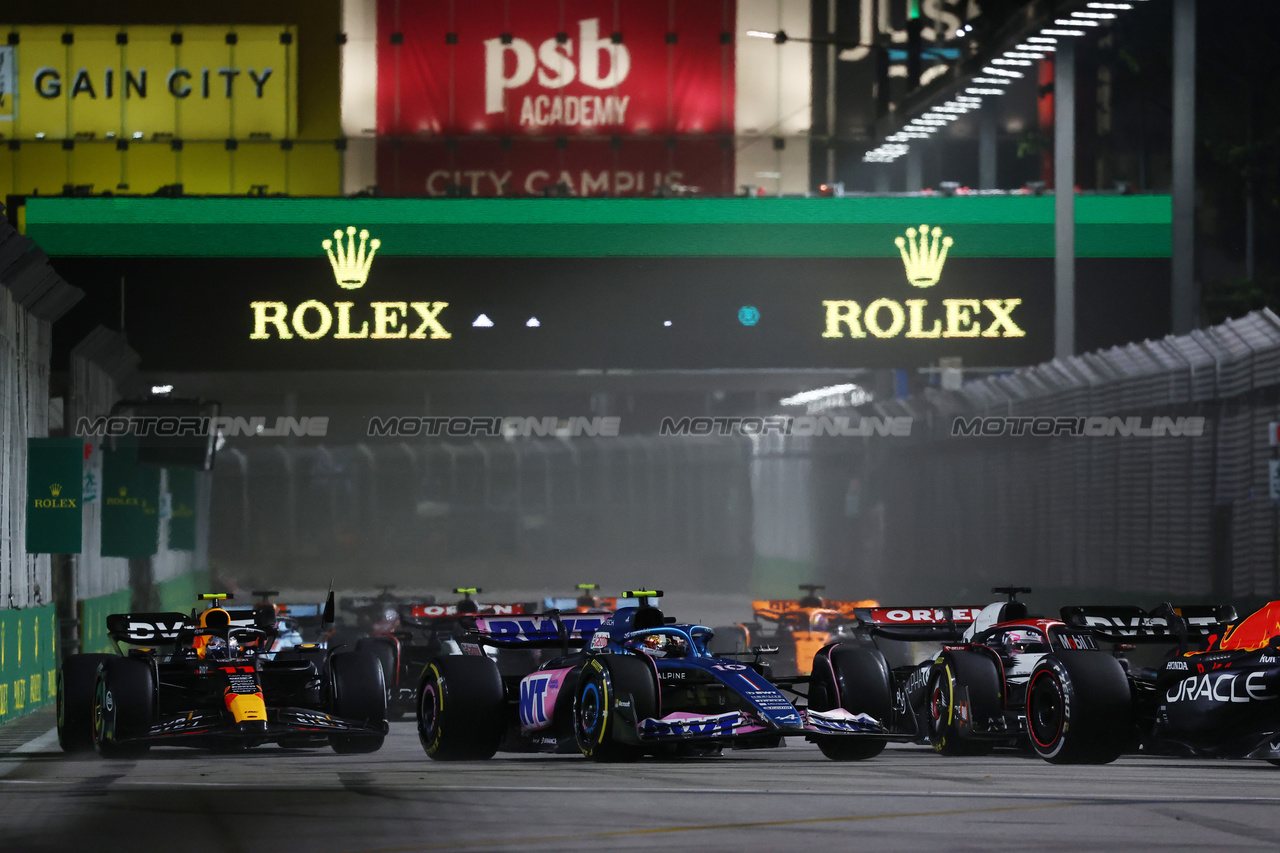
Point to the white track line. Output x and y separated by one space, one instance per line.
39 743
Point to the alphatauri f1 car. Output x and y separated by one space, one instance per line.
205 681
630 683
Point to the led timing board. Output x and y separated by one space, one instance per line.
564 285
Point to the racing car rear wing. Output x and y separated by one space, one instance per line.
1164 624
146 628
533 631
775 610
917 624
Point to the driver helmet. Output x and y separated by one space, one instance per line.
1020 641
219 649
820 622
664 645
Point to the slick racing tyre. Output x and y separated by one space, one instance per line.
123 707
386 653
1079 708
856 680
357 692
608 683
460 708
76 680
974 674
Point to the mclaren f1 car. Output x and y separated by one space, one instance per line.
207 681
798 628
617 686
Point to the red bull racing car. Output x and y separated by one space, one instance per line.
631 683
209 681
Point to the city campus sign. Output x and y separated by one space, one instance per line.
923 259
312 320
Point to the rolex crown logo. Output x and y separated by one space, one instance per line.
55 489
924 258
123 491
351 264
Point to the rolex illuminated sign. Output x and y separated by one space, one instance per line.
924 254
313 319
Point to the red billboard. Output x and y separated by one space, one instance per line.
588 97
612 67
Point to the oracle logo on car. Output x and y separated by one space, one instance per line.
599 64
1223 687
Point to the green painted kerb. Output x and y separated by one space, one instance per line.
981 227
28 660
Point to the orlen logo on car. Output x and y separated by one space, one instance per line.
592 60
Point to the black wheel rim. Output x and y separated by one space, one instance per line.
1044 709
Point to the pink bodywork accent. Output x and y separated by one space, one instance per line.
555 679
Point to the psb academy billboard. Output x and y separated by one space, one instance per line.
571 285
503 82
190 82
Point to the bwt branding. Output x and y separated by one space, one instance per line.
600 64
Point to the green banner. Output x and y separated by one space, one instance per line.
130 506
1012 226
28 660
182 498
93 620
55 473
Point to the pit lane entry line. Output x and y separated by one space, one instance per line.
40 743
710 827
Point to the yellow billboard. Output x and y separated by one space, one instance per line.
149 83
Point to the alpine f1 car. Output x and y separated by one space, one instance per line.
407 636
203 681
800 628
630 683
1004 678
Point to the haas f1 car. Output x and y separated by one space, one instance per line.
801 627
210 681
630 683
1049 685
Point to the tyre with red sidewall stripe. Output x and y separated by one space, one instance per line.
1079 708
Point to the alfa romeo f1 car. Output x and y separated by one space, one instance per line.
630 683
1005 678
203 681
800 628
